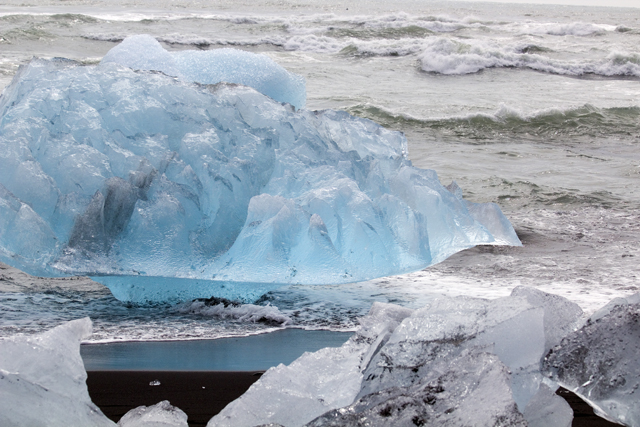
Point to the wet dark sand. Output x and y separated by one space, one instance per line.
203 394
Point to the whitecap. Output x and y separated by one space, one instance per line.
242 312
450 56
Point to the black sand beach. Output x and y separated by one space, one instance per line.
201 395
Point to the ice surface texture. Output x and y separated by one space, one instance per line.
599 362
42 380
171 190
455 362
43 383
143 52
162 414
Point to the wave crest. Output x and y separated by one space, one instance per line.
508 122
447 56
224 309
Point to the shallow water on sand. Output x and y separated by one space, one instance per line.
254 353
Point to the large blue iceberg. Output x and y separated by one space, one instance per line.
164 189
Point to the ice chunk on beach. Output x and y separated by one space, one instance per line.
561 316
168 190
143 52
480 358
162 414
474 385
511 327
599 362
42 379
315 382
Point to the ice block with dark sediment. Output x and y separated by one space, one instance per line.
599 362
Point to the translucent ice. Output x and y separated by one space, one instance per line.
143 52
561 316
42 380
546 409
599 362
170 190
454 359
511 327
314 383
161 414
474 385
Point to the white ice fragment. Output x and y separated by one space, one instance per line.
42 379
162 414
293 395
561 316
154 383
510 327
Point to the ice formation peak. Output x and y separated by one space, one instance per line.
143 52
171 190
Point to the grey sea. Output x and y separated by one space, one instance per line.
536 108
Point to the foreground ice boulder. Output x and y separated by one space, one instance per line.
600 363
143 52
42 380
474 386
169 190
455 362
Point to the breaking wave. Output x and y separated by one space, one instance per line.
507 122
447 56
224 309
560 29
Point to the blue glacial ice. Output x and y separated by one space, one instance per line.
164 189
211 67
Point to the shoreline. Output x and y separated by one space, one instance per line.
199 394
203 394
256 352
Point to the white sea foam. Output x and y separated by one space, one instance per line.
308 43
450 56
244 312
559 29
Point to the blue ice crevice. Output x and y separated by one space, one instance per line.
165 189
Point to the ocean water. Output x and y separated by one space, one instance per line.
534 107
